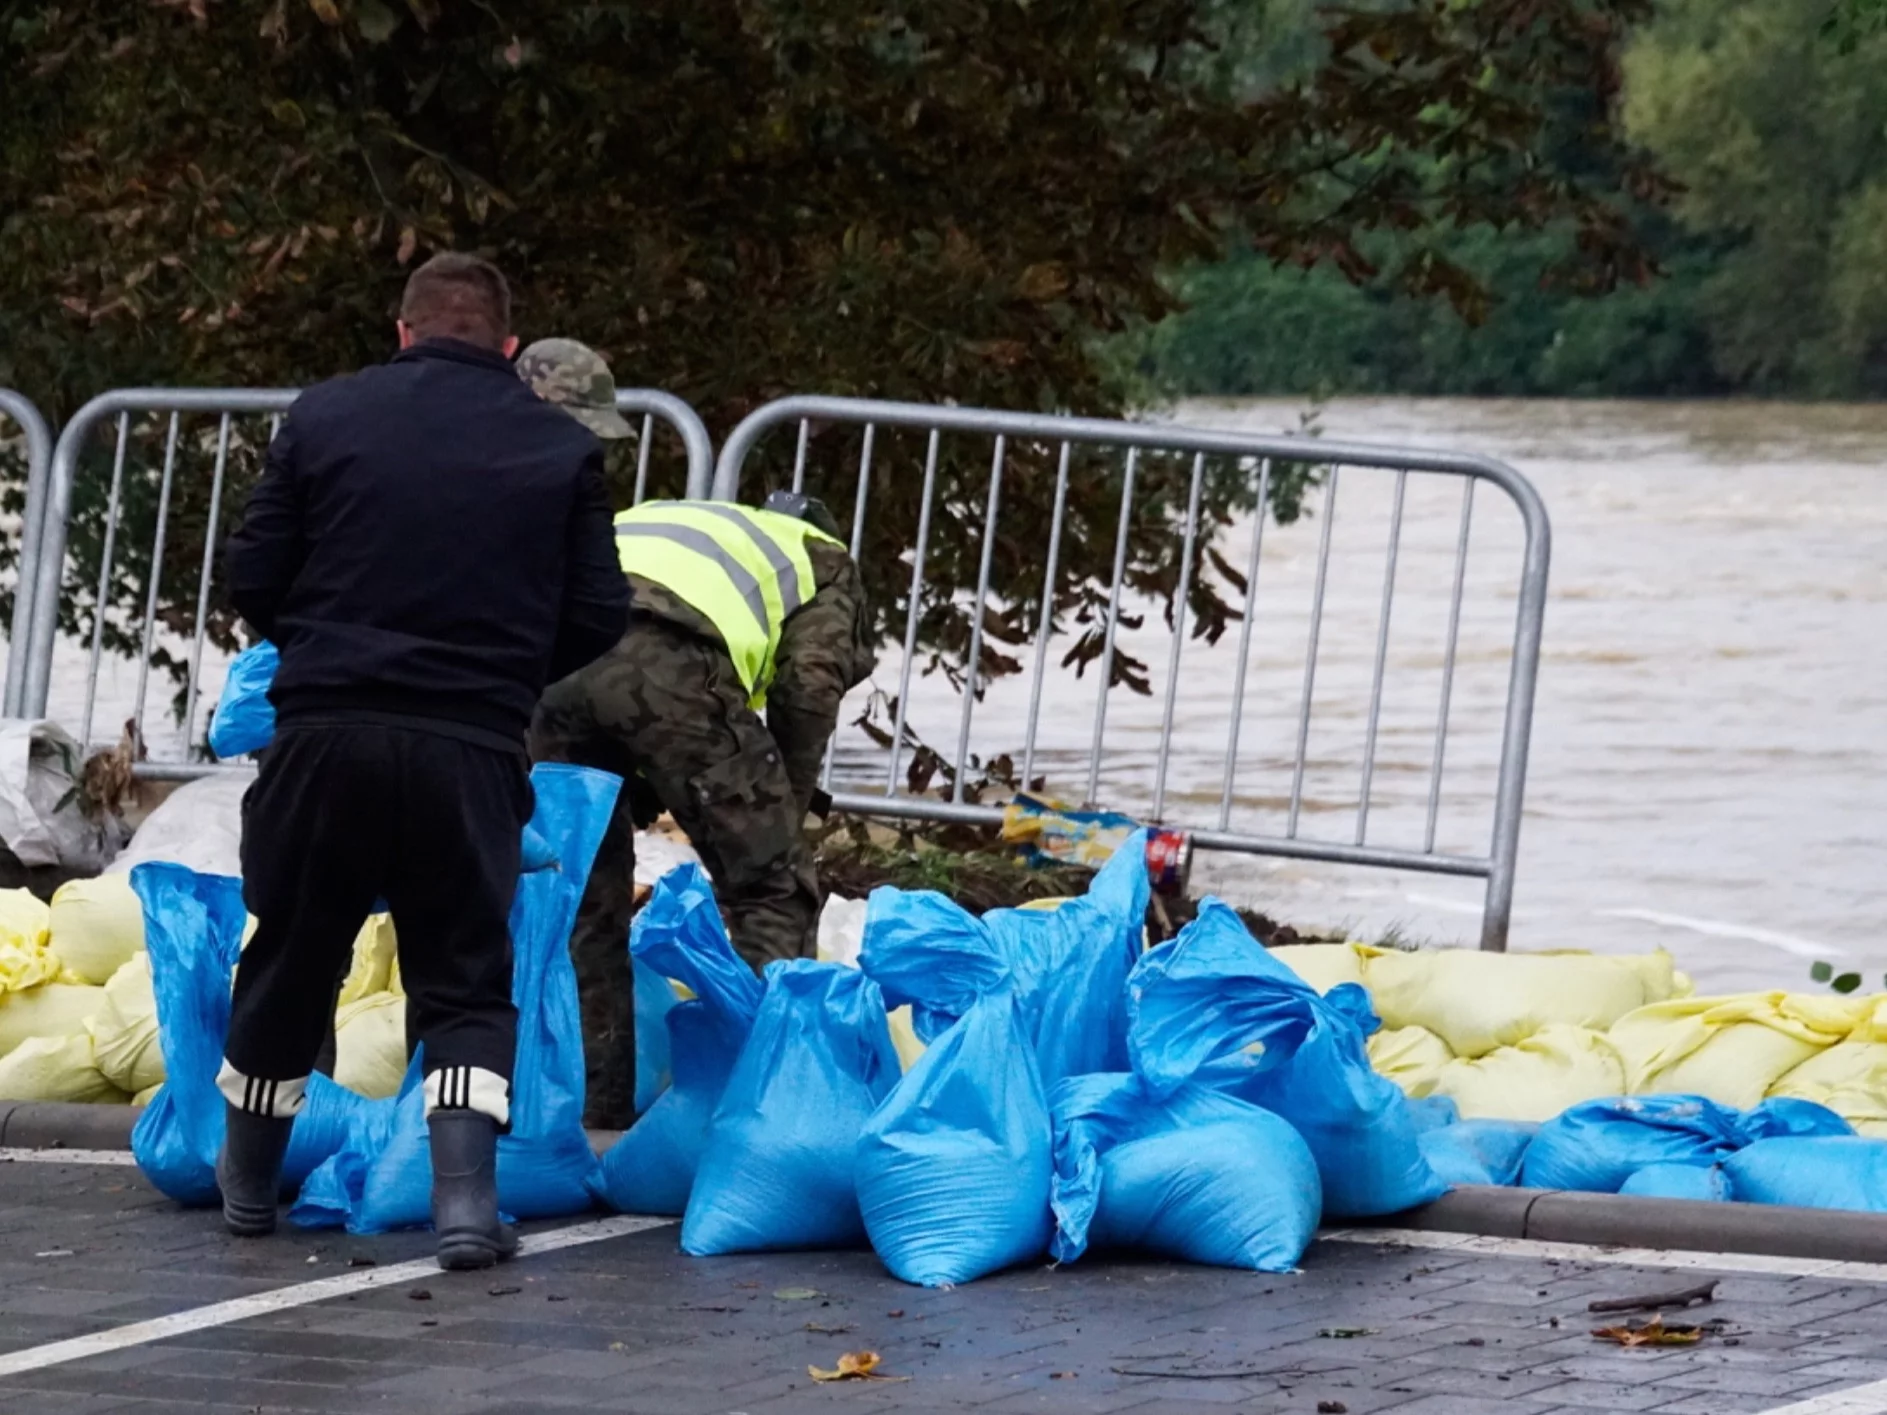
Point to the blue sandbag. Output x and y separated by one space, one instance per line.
954 1168
193 927
777 1172
545 1165
654 1000
1067 967
244 720
1595 1147
1199 1175
1215 1006
1479 1151
1705 1183
1812 1172
1434 1113
678 934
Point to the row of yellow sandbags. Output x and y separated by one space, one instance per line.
78 1019
1523 1036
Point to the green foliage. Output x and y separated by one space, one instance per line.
948 200
1774 271
1843 983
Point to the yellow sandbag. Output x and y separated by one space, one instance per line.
1535 1079
904 1037
146 1096
49 1010
1478 1001
1325 965
375 950
1850 1078
1412 1057
97 924
25 959
1731 1049
55 1069
370 1045
124 1030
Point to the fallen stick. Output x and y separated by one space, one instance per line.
1703 1292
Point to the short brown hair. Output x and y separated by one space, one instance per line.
455 296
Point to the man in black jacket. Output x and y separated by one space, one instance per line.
429 545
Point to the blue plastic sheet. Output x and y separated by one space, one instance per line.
1479 1151
1434 1112
1067 967
1812 1172
777 1172
193 927
654 1000
1597 1146
244 720
678 934
1705 1183
954 1168
1216 1006
545 1165
1198 1175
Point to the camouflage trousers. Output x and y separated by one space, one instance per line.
666 711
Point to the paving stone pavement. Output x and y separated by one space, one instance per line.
631 1325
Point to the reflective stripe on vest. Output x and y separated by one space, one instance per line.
744 570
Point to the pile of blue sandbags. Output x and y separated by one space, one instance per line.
365 1163
1197 1100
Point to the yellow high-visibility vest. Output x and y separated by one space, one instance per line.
743 569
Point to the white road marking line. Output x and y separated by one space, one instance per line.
66 1157
1861 1400
301 1294
1466 1243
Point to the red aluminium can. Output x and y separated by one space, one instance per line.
1169 860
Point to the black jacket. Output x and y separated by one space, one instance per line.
432 541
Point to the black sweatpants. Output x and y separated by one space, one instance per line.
347 813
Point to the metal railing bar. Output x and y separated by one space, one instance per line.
913 615
1448 667
977 609
1180 610
1310 651
1113 622
1045 620
1382 656
1244 641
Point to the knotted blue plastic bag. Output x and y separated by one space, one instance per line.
545 1165
1215 1006
1478 1151
193 927
1198 1175
1812 1172
777 1171
953 1170
1704 1183
678 934
1066 967
244 720
654 1000
1595 1147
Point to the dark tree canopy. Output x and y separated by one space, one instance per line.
734 199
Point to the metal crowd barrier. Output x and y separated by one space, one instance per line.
37 437
1048 441
228 446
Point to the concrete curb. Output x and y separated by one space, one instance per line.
58 1125
1625 1221
1544 1215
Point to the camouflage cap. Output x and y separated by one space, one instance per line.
574 377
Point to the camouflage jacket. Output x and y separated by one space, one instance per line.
825 651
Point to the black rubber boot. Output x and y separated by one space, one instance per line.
249 1170
465 1191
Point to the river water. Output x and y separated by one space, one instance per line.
1709 766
